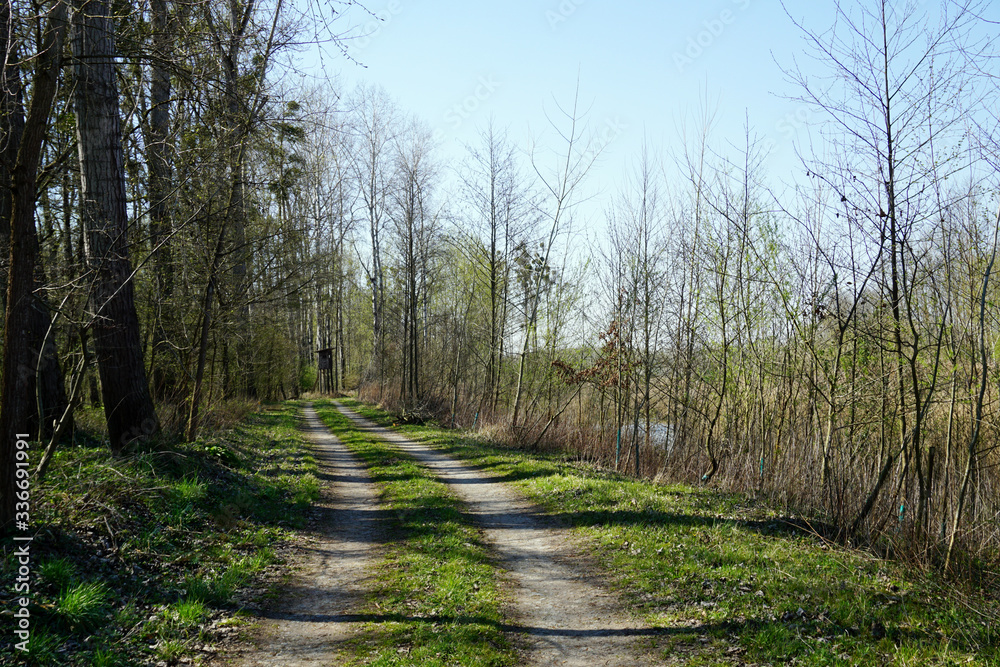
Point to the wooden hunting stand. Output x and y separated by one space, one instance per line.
324 368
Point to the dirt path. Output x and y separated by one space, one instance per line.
562 617
314 615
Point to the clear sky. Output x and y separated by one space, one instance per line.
645 68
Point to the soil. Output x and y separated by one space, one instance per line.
561 613
317 610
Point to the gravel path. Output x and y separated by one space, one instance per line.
562 617
316 611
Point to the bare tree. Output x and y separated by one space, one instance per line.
560 189
375 129
415 225
500 203
159 158
895 89
637 280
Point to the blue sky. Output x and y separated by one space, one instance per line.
644 65
644 68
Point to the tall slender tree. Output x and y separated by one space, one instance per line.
375 128
160 179
499 202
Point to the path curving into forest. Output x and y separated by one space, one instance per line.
561 615
318 608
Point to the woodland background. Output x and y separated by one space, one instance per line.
186 233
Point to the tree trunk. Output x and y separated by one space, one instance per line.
519 391
160 178
42 360
206 327
128 406
18 373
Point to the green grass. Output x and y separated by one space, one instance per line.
42 647
438 596
731 581
84 607
136 554
56 574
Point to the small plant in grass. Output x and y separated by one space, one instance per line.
225 586
170 650
57 573
305 490
176 625
43 647
84 606
260 539
189 490
198 588
182 499
188 612
218 451
105 658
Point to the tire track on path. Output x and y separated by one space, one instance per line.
318 610
562 617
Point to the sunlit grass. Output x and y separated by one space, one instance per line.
140 551
730 580
83 607
437 595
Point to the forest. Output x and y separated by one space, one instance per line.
190 233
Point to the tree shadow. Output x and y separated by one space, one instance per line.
774 527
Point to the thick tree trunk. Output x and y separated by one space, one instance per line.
128 406
42 360
19 360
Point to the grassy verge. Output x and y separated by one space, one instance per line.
732 582
437 598
148 558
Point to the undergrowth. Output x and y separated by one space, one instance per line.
139 559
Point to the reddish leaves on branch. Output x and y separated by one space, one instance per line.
610 367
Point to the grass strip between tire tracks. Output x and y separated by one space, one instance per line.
730 581
438 596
